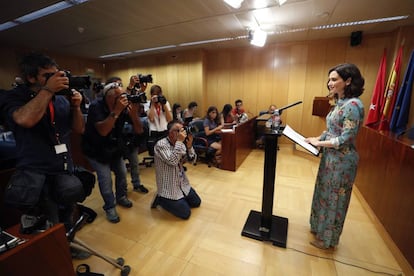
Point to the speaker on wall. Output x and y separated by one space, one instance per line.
356 38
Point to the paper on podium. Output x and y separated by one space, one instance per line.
300 140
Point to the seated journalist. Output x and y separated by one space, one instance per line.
174 192
103 144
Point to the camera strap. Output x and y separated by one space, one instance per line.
52 112
158 109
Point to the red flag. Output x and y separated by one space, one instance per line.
390 93
377 95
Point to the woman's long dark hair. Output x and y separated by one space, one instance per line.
213 108
226 110
346 71
174 110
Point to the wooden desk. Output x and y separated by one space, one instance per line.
236 145
385 180
45 253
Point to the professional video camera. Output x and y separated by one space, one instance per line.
75 82
139 98
143 79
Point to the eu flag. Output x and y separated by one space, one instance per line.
401 112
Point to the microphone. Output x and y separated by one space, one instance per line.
286 107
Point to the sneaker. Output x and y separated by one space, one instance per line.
112 216
141 189
124 202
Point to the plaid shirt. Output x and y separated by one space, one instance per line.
172 182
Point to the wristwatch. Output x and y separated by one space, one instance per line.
113 115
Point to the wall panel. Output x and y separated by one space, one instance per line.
278 73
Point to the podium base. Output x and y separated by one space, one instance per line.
277 233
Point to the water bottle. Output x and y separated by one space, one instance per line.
276 120
269 123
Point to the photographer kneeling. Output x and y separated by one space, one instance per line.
174 192
103 144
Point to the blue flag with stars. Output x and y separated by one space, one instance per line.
401 112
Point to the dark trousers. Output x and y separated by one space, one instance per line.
182 207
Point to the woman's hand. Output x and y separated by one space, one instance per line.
313 140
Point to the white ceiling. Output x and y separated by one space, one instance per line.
111 26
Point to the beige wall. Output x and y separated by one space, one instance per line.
283 74
179 74
9 58
279 73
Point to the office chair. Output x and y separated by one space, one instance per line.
152 140
149 160
200 143
147 144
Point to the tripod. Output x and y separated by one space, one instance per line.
79 244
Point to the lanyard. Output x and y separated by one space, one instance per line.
52 112
52 120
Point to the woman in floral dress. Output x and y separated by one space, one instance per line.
338 165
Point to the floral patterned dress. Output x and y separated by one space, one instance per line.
337 171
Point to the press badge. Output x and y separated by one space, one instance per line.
61 148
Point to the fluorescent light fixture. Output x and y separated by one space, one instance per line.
154 49
257 37
116 55
7 25
281 2
41 13
362 22
205 41
234 3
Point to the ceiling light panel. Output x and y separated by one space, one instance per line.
234 3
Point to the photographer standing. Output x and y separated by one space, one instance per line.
42 122
174 192
159 114
103 144
132 139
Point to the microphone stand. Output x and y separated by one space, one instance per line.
263 225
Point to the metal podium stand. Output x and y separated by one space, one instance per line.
263 225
